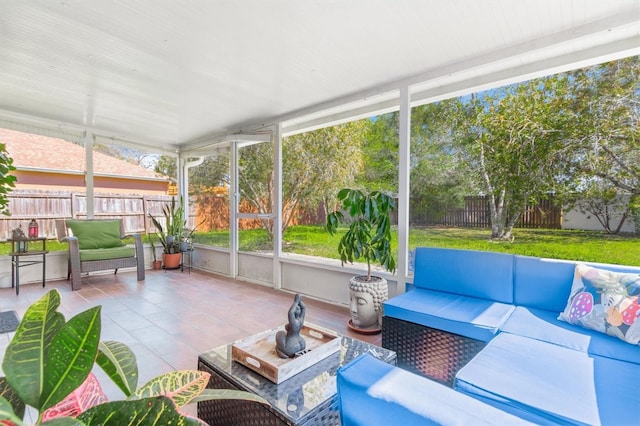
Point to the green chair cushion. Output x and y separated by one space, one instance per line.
107 253
96 234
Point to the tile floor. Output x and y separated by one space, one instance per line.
171 317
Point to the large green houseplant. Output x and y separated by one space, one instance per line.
170 234
368 238
48 367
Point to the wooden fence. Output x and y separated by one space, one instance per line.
213 212
47 206
476 214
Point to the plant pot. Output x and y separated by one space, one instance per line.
365 303
184 246
157 264
171 260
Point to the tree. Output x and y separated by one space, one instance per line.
605 203
133 156
605 136
318 163
514 145
315 165
438 182
167 166
7 181
380 154
256 181
214 171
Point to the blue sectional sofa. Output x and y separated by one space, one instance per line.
372 392
487 325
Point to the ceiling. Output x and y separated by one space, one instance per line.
178 74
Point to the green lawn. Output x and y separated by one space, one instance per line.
588 246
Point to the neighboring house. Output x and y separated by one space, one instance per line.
45 163
577 218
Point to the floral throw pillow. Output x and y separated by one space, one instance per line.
605 301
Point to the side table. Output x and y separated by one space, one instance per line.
308 398
16 263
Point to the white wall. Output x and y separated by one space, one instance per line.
215 260
56 264
255 267
323 283
574 219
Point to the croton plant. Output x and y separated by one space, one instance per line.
48 366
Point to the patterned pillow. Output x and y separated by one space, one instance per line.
605 301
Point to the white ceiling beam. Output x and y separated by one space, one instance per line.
60 129
207 146
606 39
473 84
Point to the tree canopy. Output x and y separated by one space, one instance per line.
314 164
605 139
573 135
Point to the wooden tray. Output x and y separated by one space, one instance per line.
258 352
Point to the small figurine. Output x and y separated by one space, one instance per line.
290 343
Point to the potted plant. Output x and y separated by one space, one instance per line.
48 366
157 264
368 238
187 238
7 181
171 233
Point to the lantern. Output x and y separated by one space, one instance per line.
21 246
33 229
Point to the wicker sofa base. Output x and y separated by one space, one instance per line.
427 351
231 411
101 265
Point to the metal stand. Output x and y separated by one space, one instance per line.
188 255
16 264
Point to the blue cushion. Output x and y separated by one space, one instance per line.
544 326
542 283
371 392
472 273
546 283
560 384
478 319
615 268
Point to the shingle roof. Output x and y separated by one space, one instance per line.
42 152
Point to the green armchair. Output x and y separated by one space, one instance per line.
96 245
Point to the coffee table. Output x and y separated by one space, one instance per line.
308 398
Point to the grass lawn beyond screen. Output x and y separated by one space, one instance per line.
586 246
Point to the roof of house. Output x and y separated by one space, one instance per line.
31 151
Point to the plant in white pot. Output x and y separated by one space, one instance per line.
368 238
